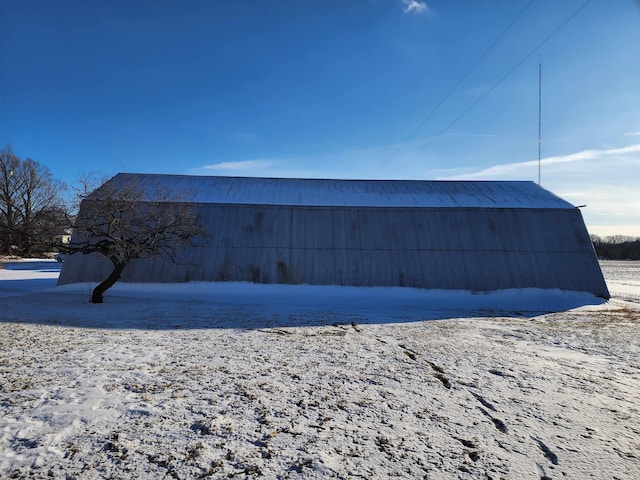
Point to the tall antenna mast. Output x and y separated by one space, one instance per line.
539 116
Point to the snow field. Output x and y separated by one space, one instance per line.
250 382
623 279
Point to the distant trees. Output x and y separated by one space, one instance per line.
32 210
125 221
616 247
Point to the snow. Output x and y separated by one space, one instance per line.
19 277
623 279
244 380
352 193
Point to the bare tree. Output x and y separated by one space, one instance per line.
41 206
9 214
32 211
123 221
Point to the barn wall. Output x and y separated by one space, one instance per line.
478 249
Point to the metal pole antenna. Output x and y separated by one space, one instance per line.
539 116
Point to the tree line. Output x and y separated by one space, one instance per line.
616 247
33 213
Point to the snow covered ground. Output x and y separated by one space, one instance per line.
623 279
247 381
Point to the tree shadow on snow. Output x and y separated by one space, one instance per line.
249 306
12 288
37 266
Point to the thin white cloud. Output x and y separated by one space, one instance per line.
515 170
632 134
605 180
264 167
413 6
244 165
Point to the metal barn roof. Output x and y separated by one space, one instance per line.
349 193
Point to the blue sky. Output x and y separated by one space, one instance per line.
333 89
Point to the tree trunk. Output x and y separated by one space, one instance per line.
98 292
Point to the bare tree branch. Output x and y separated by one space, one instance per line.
32 212
125 222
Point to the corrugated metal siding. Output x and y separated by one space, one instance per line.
349 193
477 249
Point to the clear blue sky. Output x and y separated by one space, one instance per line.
333 88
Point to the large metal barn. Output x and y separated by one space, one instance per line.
477 236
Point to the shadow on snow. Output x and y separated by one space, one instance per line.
37 266
253 306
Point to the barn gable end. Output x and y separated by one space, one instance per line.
477 236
